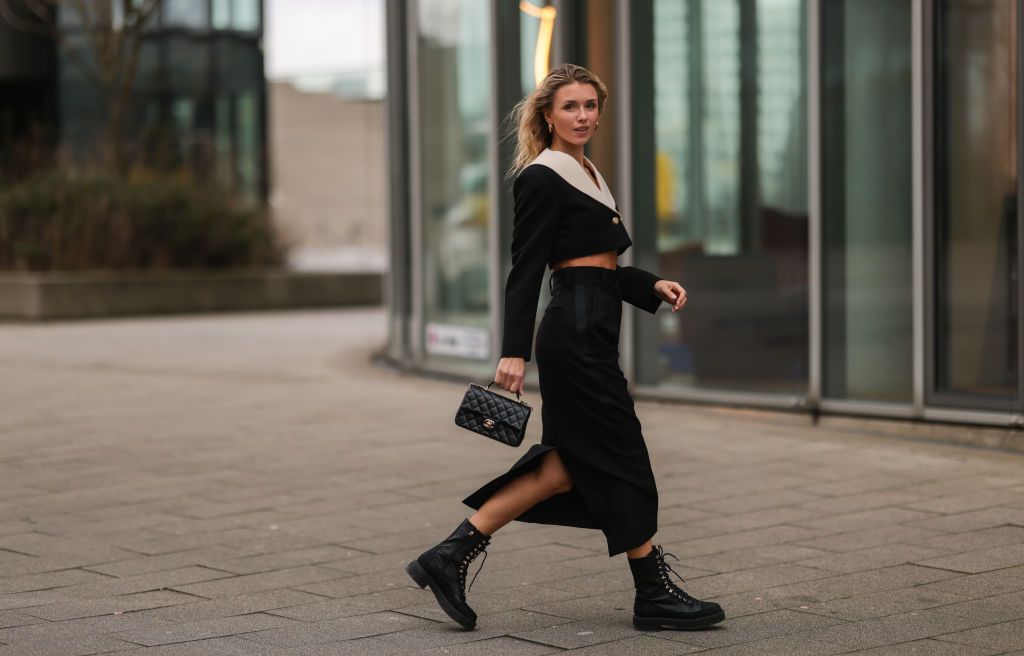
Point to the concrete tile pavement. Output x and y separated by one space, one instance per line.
254 484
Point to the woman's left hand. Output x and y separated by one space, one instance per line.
671 292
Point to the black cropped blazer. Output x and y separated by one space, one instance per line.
555 220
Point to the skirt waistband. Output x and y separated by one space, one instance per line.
583 275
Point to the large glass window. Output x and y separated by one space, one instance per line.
867 200
975 304
186 13
729 172
454 130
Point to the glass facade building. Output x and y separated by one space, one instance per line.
835 183
199 98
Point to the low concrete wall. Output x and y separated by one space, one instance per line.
74 295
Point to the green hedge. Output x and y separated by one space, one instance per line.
66 222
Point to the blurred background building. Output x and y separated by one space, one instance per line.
279 101
835 182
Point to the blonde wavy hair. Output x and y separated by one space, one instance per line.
527 120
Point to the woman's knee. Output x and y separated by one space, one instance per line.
553 475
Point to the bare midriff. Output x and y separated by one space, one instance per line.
608 260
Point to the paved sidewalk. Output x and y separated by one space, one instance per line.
252 485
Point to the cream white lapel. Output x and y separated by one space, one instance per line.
566 166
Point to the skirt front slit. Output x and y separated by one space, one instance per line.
588 416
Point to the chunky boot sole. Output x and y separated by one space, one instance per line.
676 623
424 580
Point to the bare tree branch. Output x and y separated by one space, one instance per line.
11 17
105 48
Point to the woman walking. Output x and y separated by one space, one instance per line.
591 468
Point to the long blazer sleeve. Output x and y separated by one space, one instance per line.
637 287
533 230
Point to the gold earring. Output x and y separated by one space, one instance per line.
549 127
596 124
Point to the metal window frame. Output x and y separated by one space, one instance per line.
416 348
815 180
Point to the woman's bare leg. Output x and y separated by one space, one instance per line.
523 493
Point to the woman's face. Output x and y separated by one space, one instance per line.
573 114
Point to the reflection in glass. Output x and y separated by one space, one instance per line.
867 201
976 286
454 82
246 15
730 190
536 31
185 13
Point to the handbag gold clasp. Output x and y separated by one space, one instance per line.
488 423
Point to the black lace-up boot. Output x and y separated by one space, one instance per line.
660 603
443 569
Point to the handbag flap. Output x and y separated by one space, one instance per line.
491 405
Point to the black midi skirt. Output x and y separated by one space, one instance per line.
588 416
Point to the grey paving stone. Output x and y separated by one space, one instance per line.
973 521
740 540
973 540
733 560
879 604
589 606
48 580
981 585
231 646
871 537
255 483
68 629
997 608
755 519
172 578
349 628
999 637
790 645
76 646
758 578
450 633
744 503
109 605
754 627
347 585
893 629
640 645
37 598
358 605
868 519
284 578
956 503
135 566
504 645
860 502
281 560
877 557
982 560
165 544
860 583
486 602
925 648
9 618
582 633
253 602
204 630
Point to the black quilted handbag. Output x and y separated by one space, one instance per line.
493 415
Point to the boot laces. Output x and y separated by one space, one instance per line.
463 566
663 570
